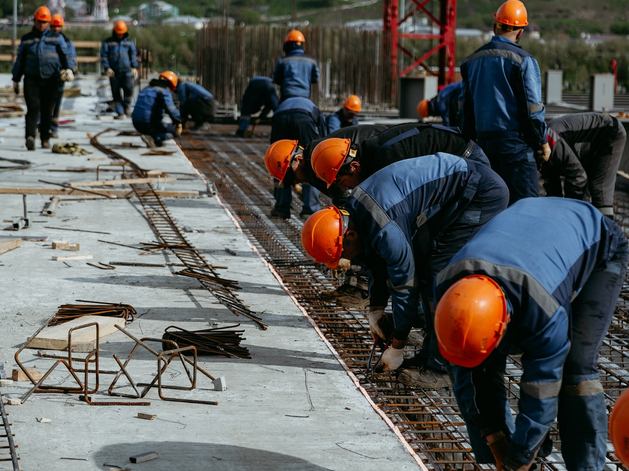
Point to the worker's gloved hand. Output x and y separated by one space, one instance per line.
134 73
67 75
344 264
16 87
498 445
508 465
178 129
543 154
375 328
111 72
392 359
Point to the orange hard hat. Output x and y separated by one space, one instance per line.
619 427
120 27
278 156
170 77
295 37
512 13
328 157
322 235
352 103
42 14
470 320
57 20
422 108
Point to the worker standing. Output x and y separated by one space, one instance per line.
148 114
56 25
542 278
502 103
195 103
296 71
300 120
259 95
346 116
44 60
586 149
412 217
118 58
444 105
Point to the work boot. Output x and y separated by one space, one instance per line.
304 216
240 133
148 140
30 143
45 144
276 213
128 111
347 296
120 116
54 134
425 378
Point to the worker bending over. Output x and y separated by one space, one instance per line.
259 95
346 116
444 105
542 279
195 103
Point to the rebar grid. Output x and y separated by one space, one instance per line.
11 448
429 420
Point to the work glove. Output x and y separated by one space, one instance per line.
543 154
375 328
344 264
16 87
134 73
178 129
392 359
498 445
67 75
111 72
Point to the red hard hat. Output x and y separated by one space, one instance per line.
295 37
328 157
352 103
171 77
57 20
470 320
322 236
120 27
512 13
422 108
42 14
277 157
619 427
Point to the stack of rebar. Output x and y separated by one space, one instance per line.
217 341
68 312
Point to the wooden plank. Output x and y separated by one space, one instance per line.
25 238
63 258
127 181
78 191
56 337
7 245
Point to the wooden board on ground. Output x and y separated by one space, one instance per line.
78 191
127 181
56 337
67 258
6 245
25 238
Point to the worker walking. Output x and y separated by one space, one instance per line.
542 278
412 217
259 95
300 120
586 149
444 105
118 58
195 103
502 103
295 72
148 114
346 116
56 26
43 59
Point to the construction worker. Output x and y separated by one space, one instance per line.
619 427
295 72
346 116
259 95
296 119
118 58
502 103
542 279
445 105
195 103
56 26
586 149
148 113
408 220
43 59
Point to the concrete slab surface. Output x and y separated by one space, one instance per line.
291 406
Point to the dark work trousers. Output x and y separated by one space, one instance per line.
159 131
198 110
55 112
121 81
40 96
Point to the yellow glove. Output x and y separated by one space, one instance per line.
111 72
392 359
134 73
344 264
178 129
544 152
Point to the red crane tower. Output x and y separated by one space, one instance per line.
445 46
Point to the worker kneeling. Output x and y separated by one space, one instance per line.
511 288
148 113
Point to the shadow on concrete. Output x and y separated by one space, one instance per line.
184 456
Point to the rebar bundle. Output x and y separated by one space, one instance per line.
68 312
216 341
